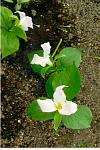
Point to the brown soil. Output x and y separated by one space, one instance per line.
20 85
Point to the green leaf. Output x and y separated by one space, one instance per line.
35 68
18 6
15 19
10 31
47 70
69 76
44 70
71 55
57 120
6 21
24 1
10 43
59 56
35 113
10 1
0 41
79 120
49 87
19 32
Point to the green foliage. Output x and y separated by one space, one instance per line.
69 76
24 1
35 113
63 72
18 4
6 21
57 120
10 1
11 31
70 55
10 43
79 120
47 70
19 32
49 87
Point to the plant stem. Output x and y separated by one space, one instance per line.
56 48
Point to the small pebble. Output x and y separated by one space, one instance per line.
33 12
19 121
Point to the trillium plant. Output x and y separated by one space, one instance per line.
12 29
60 71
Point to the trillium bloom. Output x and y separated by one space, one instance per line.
45 60
59 103
25 21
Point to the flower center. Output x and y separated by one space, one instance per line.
59 106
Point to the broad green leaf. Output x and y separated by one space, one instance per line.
49 87
69 76
79 120
19 32
35 68
24 1
71 55
35 113
16 20
10 43
6 21
57 120
10 1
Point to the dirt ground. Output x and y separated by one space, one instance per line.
77 22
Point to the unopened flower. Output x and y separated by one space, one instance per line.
25 21
59 103
45 59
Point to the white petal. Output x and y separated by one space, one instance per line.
29 22
59 95
47 105
46 48
43 61
68 108
38 60
24 26
21 14
26 22
47 60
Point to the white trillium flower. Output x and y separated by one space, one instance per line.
25 21
59 103
45 60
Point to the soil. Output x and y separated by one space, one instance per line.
77 23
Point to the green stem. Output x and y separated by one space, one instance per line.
56 48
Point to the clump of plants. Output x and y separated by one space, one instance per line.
60 71
12 29
62 75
